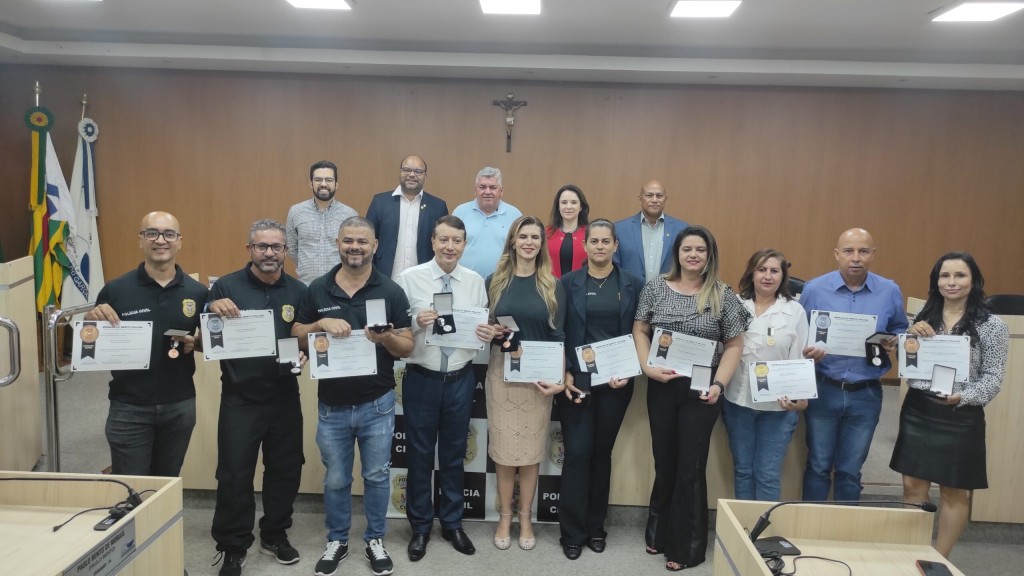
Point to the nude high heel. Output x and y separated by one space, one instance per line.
506 542
526 543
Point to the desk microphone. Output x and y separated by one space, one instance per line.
763 522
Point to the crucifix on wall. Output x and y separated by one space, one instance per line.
509 105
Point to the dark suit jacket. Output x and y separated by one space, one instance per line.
630 255
384 213
575 284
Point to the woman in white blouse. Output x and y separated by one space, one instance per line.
759 432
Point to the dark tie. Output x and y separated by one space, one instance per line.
446 351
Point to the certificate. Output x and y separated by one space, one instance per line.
341 357
918 355
774 379
607 359
536 361
680 351
248 336
841 333
97 345
467 320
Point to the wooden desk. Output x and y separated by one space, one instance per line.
871 540
148 541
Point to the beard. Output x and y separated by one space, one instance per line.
324 193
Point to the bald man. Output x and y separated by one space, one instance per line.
152 412
842 420
404 219
645 239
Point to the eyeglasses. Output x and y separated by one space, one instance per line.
152 234
416 171
261 247
324 180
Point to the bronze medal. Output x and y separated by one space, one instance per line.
173 352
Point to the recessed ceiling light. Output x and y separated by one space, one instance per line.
510 6
321 4
704 9
979 12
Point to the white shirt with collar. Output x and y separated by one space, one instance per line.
408 225
787 321
420 283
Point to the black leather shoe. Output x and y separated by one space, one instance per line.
459 541
596 544
572 551
418 546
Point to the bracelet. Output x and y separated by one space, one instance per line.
721 387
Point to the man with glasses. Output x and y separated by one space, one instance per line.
259 406
312 225
152 412
487 220
645 239
403 219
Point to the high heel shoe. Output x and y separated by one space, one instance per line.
526 543
506 542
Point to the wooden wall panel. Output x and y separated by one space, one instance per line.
926 172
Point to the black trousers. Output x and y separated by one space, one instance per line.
244 426
680 435
588 431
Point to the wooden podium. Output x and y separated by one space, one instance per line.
148 541
871 540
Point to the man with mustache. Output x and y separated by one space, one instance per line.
152 412
404 218
312 225
645 238
356 408
487 219
259 407
841 420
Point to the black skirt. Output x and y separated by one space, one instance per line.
941 443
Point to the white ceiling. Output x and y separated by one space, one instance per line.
877 43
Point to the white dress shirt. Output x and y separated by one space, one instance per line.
408 226
788 323
420 283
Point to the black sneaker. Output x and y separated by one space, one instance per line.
380 561
282 550
233 562
333 555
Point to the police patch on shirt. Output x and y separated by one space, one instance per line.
188 307
287 312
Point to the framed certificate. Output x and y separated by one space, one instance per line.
774 379
536 361
465 337
249 336
341 357
918 355
98 346
841 333
607 359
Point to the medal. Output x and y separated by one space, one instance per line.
771 339
173 352
447 327
876 360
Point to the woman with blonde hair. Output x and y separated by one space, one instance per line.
524 288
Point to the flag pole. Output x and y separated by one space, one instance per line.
85 102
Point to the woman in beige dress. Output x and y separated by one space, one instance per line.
523 287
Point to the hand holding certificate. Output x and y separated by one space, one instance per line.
536 361
341 356
918 355
99 345
841 333
793 379
680 352
249 335
608 359
467 318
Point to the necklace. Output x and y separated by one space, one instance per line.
599 284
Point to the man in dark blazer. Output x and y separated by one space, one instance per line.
650 258
404 219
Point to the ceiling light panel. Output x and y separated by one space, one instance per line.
321 4
510 6
979 12
704 9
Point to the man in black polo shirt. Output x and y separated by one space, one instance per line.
358 408
259 405
152 412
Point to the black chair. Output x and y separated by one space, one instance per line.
1008 304
796 285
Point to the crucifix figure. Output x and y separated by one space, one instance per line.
509 105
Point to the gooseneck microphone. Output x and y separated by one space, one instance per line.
763 522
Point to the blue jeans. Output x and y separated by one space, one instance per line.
758 440
372 425
840 425
149 440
